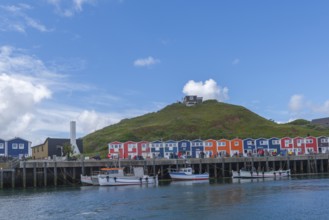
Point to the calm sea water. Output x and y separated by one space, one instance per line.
294 198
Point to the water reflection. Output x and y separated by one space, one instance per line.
188 182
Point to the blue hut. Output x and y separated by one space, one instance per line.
249 147
2 147
170 149
157 149
323 144
197 147
274 146
18 147
261 146
184 148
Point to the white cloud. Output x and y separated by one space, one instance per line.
25 83
149 61
29 107
296 103
236 61
208 90
15 18
69 8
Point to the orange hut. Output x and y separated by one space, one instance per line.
224 147
210 147
236 145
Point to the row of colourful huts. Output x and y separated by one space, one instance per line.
223 147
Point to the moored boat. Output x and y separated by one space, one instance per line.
86 179
117 177
187 174
93 178
253 173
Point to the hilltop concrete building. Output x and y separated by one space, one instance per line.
191 100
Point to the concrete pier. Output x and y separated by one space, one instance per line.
50 173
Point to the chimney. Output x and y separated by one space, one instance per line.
73 140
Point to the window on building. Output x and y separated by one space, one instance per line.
236 143
14 146
275 142
183 144
222 144
2 145
263 142
309 141
21 146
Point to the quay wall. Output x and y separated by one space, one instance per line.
44 173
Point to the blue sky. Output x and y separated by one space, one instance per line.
99 61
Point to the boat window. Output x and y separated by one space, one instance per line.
113 171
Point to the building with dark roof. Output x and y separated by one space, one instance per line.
53 146
321 121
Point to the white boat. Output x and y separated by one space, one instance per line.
93 179
187 174
253 173
86 179
117 177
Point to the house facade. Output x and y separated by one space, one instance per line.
53 147
115 150
323 144
197 148
236 146
184 148
210 148
249 147
3 148
143 149
18 147
157 149
274 146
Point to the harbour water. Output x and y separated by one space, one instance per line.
293 198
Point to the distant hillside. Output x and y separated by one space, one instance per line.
211 119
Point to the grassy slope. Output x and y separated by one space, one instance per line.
211 119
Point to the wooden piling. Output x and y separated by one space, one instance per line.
45 173
308 165
1 179
34 174
83 172
65 175
13 178
55 174
315 163
266 164
223 167
24 174
74 174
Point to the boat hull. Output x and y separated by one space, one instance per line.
126 181
182 176
269 174
86 180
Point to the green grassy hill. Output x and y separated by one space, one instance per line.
209 120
